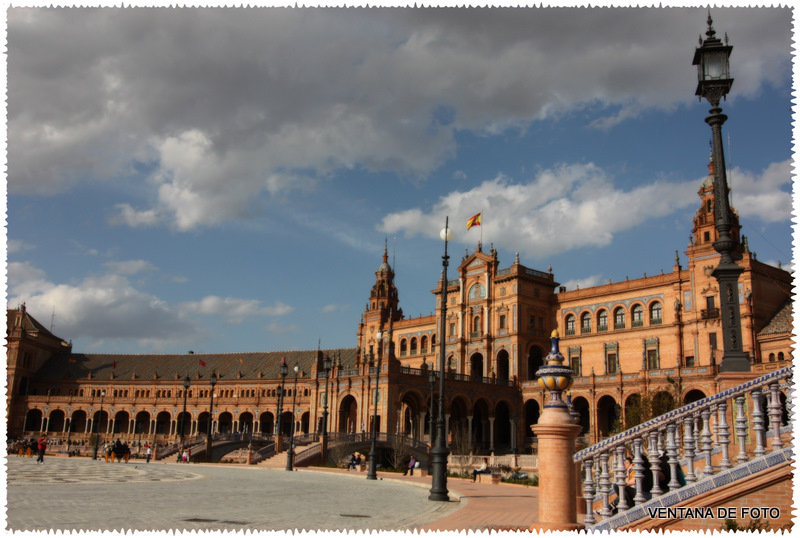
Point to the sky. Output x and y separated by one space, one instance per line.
226 180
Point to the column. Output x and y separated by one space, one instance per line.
469 428
447 430
491 434
421 427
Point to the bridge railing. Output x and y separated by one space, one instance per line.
679 438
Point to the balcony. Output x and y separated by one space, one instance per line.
709 313
602 328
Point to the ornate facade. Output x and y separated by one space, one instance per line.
636 346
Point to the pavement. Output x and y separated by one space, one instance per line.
83 494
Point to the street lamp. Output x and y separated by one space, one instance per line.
284 370
183 416
290 452
714 83
372 472
97 427
432 381
210 418
326 364
439 452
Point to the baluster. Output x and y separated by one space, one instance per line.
724 436
688 449
775 416
638 471
604 485
588 492
672 454
655 463
621 477
706 439
758 422
696 427
741 429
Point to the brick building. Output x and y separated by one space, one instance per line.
637 347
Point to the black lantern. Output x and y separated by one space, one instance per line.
713 67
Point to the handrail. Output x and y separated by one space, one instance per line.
676 440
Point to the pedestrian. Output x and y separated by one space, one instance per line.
480 470
41 446
149 453
411 464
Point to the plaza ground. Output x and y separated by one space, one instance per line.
83 494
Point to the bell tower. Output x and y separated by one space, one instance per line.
382 308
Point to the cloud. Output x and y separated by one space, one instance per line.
766 197
130 267
235 310
227 110
105 307
564 208
583 283
14 246
327 309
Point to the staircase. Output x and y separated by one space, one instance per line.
696 438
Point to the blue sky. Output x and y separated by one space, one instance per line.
224 181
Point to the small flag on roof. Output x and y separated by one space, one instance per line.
474 221
202 362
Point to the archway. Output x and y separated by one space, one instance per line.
502 427
608 416
56 421
121 422
225 423
33 420
635 413
304 421
532 412
692 396
162 423
183 424
663 402
476 367
77 423
502 366
480 425
142 425
202 423
266 423
348 415
535 361
459 440
581 406
246 422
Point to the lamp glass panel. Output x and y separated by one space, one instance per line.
714 62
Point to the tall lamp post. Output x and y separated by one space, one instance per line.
284 372
432 381
183 416
210 418
714 83
327 366
440 452
97 427
290 452
372 472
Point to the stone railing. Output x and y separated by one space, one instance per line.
700 431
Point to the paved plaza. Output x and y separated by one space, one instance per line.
82 494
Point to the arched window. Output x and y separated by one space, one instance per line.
655 313
476 326
586 323
570 325
502 322
423 344
413 346
780 355
602 320
619 318
637 316
403 347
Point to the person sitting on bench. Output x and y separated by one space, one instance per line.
480 470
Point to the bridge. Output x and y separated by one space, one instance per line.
697 439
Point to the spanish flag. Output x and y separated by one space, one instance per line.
474 221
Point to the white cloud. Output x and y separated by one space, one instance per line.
583 283
561 209
227 109
14 246
766 197
130 267
327 309
235 310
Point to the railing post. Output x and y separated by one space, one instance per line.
655 463
672 455
604 484
705 438
775 416
741 428
724 435
758 422
638 471
588 491
688 449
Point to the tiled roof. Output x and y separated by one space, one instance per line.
29 323
781 322
228 366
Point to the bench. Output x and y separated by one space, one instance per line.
493 472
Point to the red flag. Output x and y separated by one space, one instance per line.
202 363
474 221
114 366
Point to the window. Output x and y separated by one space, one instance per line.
771 357
780 356
602 320
655 313
476 326
570 324
575 364
619 318
502 321
637 315
424 344
413 346
403 347
652 359
611 363
586 323
712 340
689 361
452 329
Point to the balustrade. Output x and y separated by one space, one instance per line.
690 443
